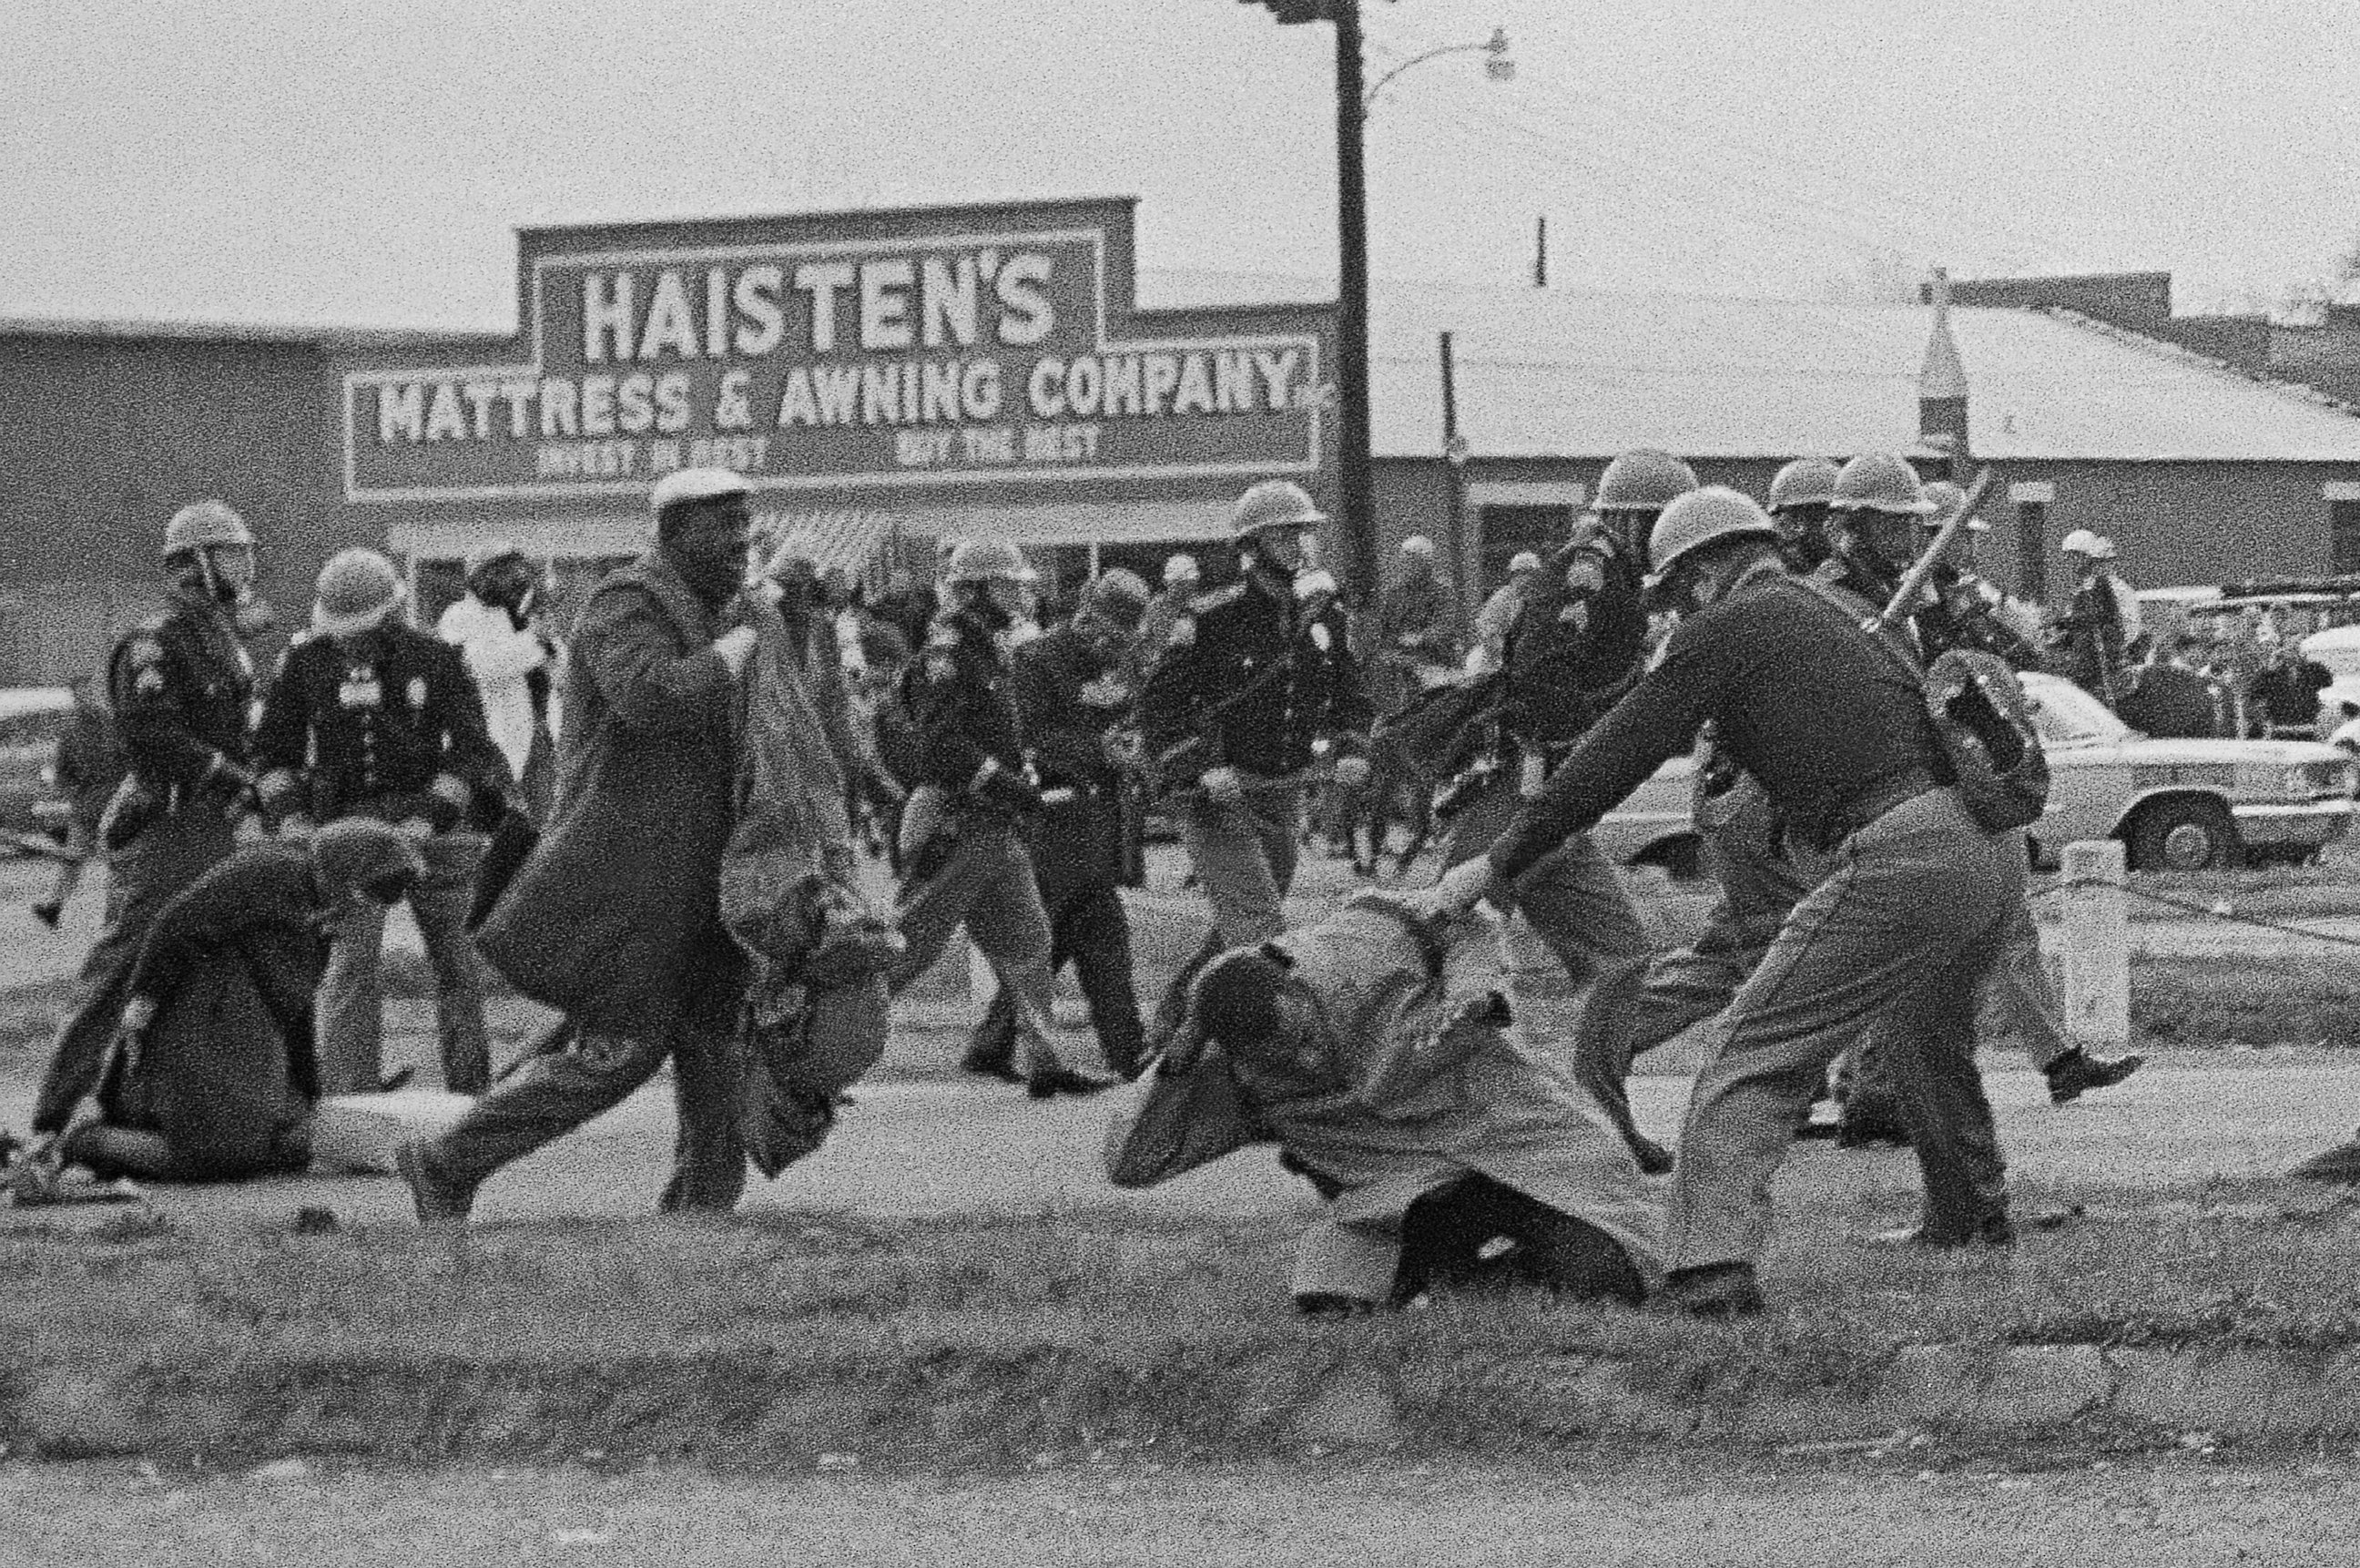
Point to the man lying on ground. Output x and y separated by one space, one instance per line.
1377 1049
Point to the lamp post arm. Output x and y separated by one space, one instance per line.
1369 99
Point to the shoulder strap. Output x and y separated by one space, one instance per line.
1828 594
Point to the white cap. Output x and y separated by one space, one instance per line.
2081 542
1523 560
1181 568
1417 544
1319 580
695 485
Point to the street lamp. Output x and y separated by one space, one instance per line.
1499 68
1352 103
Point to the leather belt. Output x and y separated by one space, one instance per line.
1872 803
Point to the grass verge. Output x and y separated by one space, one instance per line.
980 1345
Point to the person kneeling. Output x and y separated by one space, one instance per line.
1377 1049
212 1076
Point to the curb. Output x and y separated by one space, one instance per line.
952 1408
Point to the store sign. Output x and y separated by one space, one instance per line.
932 359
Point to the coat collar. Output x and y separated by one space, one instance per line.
662 580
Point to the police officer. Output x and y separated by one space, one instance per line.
181 684
1577 644
1251 686
1901 932
1798 500
962 850
370 717
1880 508
1073 692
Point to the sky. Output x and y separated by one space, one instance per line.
366 163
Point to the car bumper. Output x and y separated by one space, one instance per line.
2312 822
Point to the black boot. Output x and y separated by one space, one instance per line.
2077 1072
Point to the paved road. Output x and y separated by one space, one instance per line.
944 1148
1647 1509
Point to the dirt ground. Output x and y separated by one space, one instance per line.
1602 1507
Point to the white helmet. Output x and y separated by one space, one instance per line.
1181 568
1523 560
2081 542
1418 546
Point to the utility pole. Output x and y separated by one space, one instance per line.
1354 491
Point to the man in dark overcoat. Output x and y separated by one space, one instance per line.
616 920
212 1075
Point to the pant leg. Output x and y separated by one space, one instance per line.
929 909
1910 912
441 902
547 1098
1009 926
708 1150
2020 1001
1094 927
1928 1044
143 876
350 1009
1573 897
1636 1005
1233 852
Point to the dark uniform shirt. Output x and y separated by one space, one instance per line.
1255 681
368 725
1797 697
1077 843
181 686
1577 643
963 704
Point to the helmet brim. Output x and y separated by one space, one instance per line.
331 624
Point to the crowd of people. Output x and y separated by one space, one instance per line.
655 824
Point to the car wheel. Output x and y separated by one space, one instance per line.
2184 836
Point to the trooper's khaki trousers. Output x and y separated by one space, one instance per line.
1243 853
1919 906
1573 897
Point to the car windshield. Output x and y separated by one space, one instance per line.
2067 716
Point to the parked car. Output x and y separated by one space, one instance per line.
32 810
2176 804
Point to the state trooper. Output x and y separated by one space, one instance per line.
1798 504
1912 914
1577 643
1252 687
1880 509
1073 690
370 717
963 852
181 684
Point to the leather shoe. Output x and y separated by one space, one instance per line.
986 1063
1995 1232
1055 1078
438 1201
2077 1072
1719 1291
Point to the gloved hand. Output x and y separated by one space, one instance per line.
297 828
417 830
1457 891
1352 772
735 646
1223 784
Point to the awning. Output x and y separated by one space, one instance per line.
847 536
